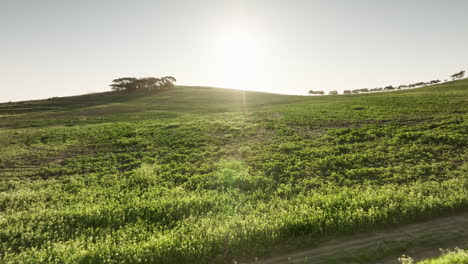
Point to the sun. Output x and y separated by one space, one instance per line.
239 57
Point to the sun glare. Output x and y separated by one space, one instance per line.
239 58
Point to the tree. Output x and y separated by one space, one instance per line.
149 83
168 82
347 92
458 76
334 92
124 84
316 92
418 84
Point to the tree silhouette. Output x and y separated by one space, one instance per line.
316 92
149 83
168 82
124 84
458 76
131 84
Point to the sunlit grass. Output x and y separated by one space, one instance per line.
197 175
457 256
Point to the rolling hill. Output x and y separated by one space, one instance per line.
206 175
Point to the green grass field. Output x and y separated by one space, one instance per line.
205 175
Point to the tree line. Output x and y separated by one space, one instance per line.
131 84
456 76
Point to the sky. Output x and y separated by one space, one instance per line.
66 47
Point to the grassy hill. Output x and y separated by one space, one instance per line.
205 175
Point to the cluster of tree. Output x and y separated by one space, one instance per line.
418 84
131 84
322 92
362 90
458 76
391 87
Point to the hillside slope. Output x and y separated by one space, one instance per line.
205 175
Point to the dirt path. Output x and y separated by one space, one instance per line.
446 230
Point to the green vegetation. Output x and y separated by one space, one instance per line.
457 256
198 175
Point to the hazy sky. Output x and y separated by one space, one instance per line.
64 47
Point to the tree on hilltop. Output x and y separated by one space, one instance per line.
124 84
168 82
149 83
316 92
131 84
458 76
